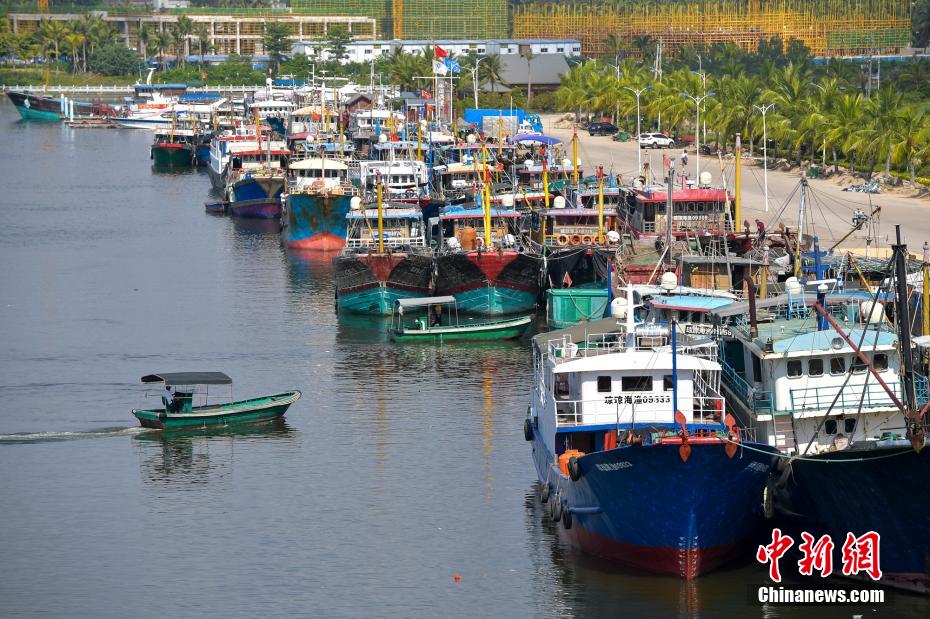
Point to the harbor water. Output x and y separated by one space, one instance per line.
401 467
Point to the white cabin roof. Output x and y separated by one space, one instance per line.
315 163
635 361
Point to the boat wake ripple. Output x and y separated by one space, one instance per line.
18 438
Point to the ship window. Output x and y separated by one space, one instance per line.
636 383
604 384
837 366
858 367
815 367
849 424
794 368
668 384
880 362
830 426
561 388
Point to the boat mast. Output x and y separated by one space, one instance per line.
902 320
600 203
669 205
797 250
380 215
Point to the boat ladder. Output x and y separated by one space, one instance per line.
785 439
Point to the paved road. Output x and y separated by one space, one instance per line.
829 211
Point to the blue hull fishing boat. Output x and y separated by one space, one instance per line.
320 196
632 479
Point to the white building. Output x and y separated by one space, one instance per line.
366 51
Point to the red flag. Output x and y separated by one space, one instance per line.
439 52
425 94
567 281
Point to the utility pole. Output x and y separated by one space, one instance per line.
639 148
669 210
697 131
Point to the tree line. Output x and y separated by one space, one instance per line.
827 113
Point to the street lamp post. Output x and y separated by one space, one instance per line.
639 148
765 152
474 79
700 73
697 131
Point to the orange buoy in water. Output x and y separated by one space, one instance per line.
457 577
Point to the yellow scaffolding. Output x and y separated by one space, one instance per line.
827 27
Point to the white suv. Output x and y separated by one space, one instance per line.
655 140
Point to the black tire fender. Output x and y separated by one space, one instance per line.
574 470
544 492
528 429
555 509
567 517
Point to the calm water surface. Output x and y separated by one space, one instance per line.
401 465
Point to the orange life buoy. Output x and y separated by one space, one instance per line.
576 239
562 240
587 239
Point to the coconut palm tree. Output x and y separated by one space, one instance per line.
163 41
52 33
202 32
490 71
145 37
182 31
910 144
528 55
75 41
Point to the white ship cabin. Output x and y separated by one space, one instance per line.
399 177
787 372
402 227
460 176
252 155
530 174
462 228
369 122
319 174
311 119
690 307
476 153
586 196
272 109
594 380
694 210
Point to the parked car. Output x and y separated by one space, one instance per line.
602 128
655 140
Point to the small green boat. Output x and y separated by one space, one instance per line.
432 325
179 411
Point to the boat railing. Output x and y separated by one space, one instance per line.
389 241
636 407
922 389
564 349
344 187
871 395
757 400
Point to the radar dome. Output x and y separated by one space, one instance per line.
355 203
618 308
507 200
705 179
471 139
559 202
669 281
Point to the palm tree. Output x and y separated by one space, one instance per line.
145 36
53 32
490 70
527 53
75 41
163 41
845 121
911 142
182 30
202 32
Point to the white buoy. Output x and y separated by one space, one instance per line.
613 237
872 312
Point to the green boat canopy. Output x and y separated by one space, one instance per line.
188 378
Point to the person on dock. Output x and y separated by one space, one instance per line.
169 398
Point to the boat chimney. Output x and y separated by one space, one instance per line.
822 324
751 296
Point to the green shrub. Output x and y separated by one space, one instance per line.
114 60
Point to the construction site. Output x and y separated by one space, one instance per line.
829 28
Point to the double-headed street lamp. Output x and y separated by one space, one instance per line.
474 78
697 131
639 148
765 151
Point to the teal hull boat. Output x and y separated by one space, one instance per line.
217 415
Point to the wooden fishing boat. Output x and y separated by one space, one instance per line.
430 325
180 411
